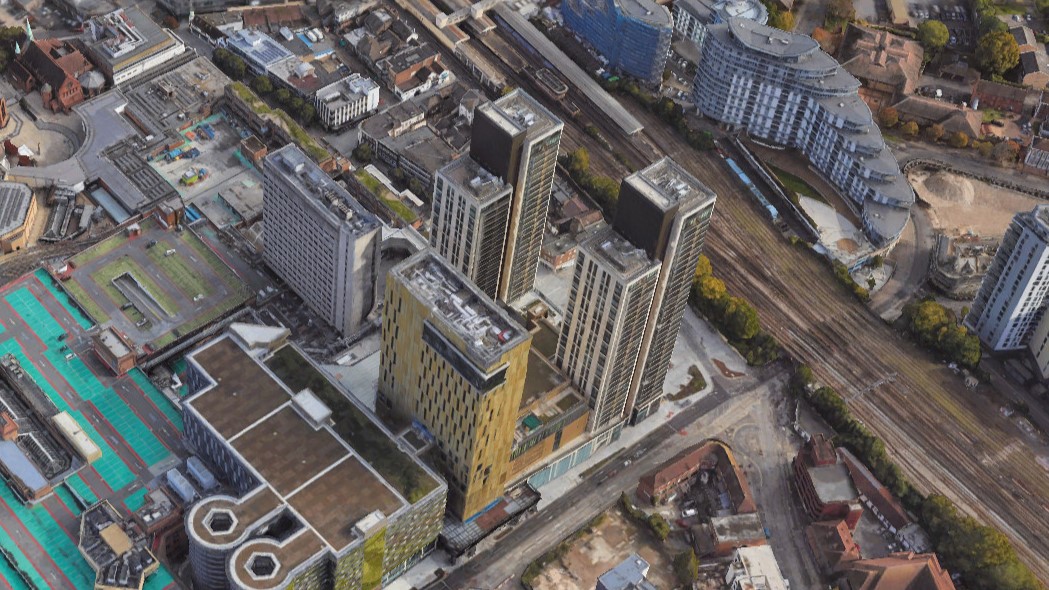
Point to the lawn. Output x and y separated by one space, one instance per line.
124 265
85 301
177 268
376 188
799 186
366 438
98 250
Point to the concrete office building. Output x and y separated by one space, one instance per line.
319 240
604 324
692 17
1013 295
665 211
305 507
633 35
126 43
345 101
516 139
470 212
455 362
782 88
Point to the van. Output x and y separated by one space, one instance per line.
689 512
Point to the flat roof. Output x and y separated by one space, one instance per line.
647 11
18 465
738 527
113 343
158 103
474 180
621 256
517 112
760 567
330 486
460 307
309 180
258 47
833 483
125 35
14 205
666 183
770 41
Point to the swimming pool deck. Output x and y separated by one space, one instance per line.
135 426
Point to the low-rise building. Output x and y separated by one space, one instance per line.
629 574
824 484
755 568
126 43
953 118
114 350
1034 67
722 535
346 101
17 215
119 555
258 50
832 545
711 455
888 65
993 95
898 571
57 68
1036 160
414 70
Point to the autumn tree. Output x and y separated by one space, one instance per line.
910 129
933 35
959 139
888 117
997 53
1006 151
934 132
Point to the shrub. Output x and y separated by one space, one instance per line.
910 129
959 139
686 567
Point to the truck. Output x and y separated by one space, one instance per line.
193 176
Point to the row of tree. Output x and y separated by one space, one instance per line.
734 317
981 554
234 67
1002 152
936 327
602 189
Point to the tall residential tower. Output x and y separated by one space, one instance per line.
319 240
1013 294
604 323
455 362
665 211
471 209
516 139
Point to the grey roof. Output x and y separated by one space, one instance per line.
485 329
770 41
472 178
301 172
629 574
258 47
125 34
721 10
518 112
647 11
1023 34
621 256
14 204
20 467
666 183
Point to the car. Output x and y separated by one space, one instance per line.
688 513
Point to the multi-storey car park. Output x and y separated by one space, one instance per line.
782 88
322 495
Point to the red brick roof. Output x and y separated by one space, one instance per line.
878 495
832 544
899 571
709 454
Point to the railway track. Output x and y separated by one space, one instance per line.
946 438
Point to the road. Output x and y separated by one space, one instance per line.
912 257
946 438
718 413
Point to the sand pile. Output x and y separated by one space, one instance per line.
951 187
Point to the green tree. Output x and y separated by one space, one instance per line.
578 161
990 23
888 117
228 62
841 10
933 35
984 147
959 139
779 18
877 262
710 290
741 319
363 153
659 526
282 96
934 132
703 267
416 186
997 53
262 85
686 567
910 129
308 114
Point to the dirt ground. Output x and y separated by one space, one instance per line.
593 555
960 205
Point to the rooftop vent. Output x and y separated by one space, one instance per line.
220 522
263 566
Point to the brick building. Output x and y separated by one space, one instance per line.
55 67
824 483
658 485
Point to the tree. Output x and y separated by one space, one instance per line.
363 153
228 62
710 290
416 186
1006 151
910 129
934 132
877 262
397 174
262 85
307 114
984 147
282 95
703 267
686 567
959 139
578 161
741 320
659 526
997 53
841 10
782 20
888 117
990 23
933 35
